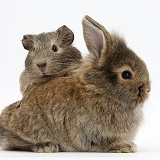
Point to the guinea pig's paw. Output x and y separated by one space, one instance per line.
18 104
122 147
45 148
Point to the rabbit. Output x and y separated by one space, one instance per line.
49 55
96 109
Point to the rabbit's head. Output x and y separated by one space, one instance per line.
113 67
50 54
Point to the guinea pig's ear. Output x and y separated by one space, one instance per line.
65 36
28 42
97 39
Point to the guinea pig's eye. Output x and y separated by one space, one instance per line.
126 75
54 48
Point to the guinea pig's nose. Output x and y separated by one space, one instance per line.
42 66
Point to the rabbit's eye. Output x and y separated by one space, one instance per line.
126 75
54 48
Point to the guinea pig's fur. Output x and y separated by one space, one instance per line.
49 55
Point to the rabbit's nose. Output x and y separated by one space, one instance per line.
148 88
42 66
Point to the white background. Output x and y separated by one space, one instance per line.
138 21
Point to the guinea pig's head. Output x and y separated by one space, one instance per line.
50 54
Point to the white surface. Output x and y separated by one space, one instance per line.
137 20
147 152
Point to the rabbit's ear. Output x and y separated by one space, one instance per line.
65 36
28 42
96 37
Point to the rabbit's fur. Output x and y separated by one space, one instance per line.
96 109
50 55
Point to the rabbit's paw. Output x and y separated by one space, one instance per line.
123 147
45 148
